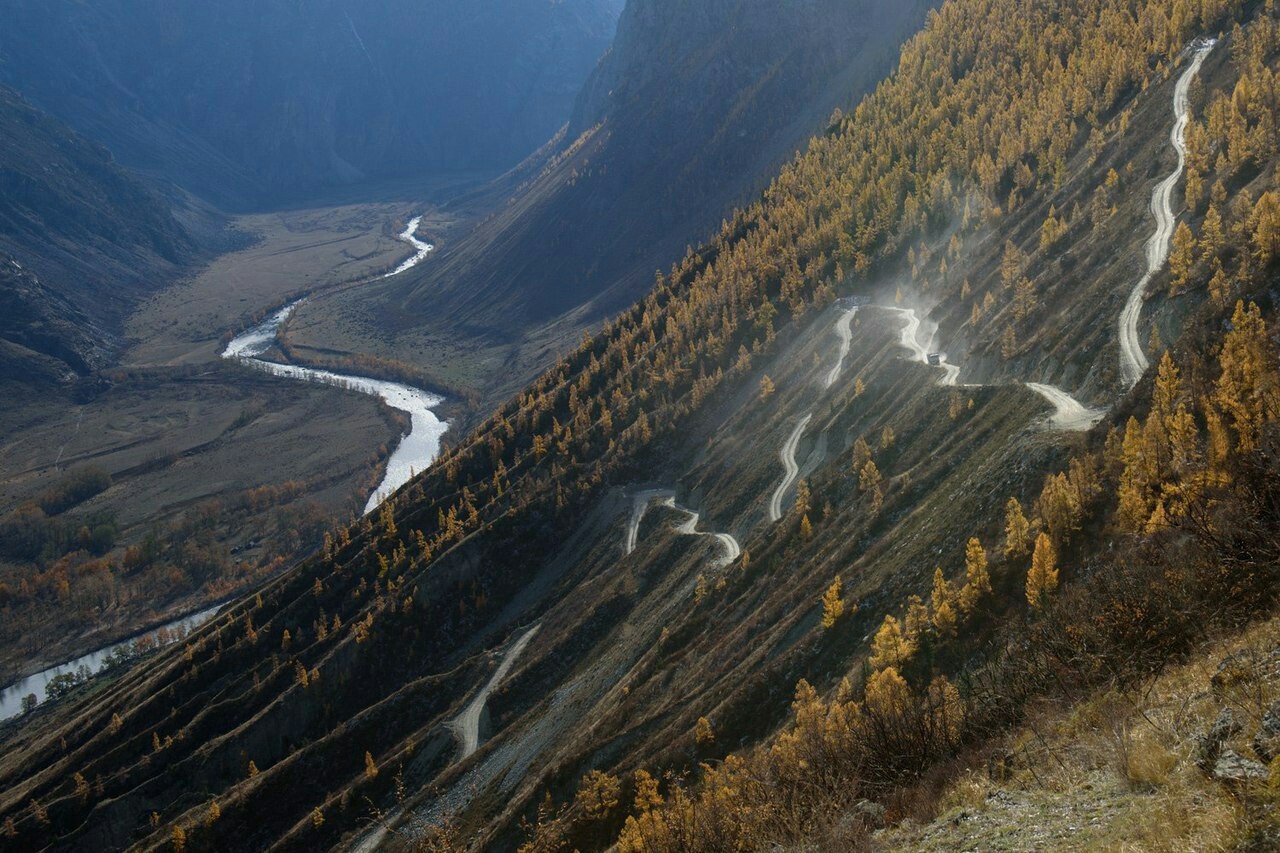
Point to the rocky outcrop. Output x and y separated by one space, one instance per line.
1266 743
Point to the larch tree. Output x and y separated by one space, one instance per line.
703 733
1042 579
1017 530
647 793
832 603
869 478
1211 233
943 605
890 647
887 694
1266 233
1247 390
861 454
1181 259
1219 285
977 584
598 794
766 388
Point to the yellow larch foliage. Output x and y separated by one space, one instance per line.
1042 579
891 647
977 576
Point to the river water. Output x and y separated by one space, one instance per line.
415 452
11 696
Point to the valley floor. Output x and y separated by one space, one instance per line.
186 438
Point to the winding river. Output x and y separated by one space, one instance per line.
420 446
415 452
11 696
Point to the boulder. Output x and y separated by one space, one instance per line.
1233 767
1209 745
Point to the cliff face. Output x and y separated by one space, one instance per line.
245 100
80 239
691 110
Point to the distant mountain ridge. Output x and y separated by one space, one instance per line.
244 100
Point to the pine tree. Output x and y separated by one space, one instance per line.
832 604
1042 579
977 576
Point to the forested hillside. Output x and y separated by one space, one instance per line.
946 560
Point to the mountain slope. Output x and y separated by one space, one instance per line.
960 177
310 94
82 240
694 106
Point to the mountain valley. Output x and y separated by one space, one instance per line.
928 502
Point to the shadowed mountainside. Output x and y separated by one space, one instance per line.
80 240
241 102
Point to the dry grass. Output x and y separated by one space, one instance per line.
1117 771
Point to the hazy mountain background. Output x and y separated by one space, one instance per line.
244 101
